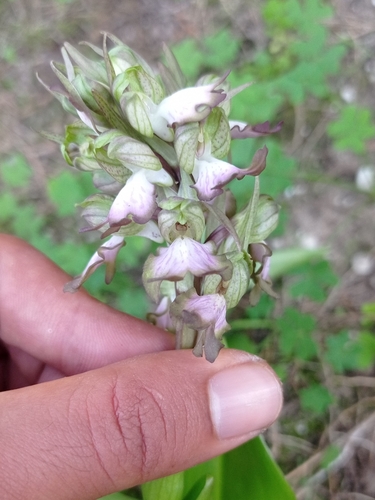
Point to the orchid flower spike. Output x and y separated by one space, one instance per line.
159 157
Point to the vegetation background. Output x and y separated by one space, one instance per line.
313 66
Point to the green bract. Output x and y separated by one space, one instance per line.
157 152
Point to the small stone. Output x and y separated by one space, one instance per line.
365 178
362 263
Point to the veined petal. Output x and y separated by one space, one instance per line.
106 254
184 255
212 174
200 311
207 315
192 104
136 199
187 255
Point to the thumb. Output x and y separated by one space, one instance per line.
102 431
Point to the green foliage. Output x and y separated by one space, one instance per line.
249 468
366 355
353 127
296 331
315 398
215 52
67 189
342 352
330 454
313 281
170 487
15 171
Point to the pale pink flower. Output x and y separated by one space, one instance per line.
207 315
211 174
106 254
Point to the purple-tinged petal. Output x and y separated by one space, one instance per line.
212 175
136 200
106 254
241 130
192 104
261 253
184 255
161 316
187 255
205 314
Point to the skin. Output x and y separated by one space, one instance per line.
93 400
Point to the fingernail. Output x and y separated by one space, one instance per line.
243 399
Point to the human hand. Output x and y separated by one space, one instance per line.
97 401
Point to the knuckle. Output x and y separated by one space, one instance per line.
143 426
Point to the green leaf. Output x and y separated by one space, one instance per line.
295 334
15 171
316 398
189 57
196 477
27 223
202 490
242 341
170 488
65 190
221 49
342 352
288 259
116 496
366 355
249 472
313 281
330 454
352 129
8 206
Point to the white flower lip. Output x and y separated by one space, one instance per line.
187 255
192 104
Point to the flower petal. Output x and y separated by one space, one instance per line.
241 130
182 256
212 174
106 254
192 104
207 315
136 200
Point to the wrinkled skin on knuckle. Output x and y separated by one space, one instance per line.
146 427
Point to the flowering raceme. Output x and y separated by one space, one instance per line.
157 151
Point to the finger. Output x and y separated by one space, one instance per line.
86 436
71 332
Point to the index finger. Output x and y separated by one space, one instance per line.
72 332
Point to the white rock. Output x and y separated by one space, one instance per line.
365 178
362 263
